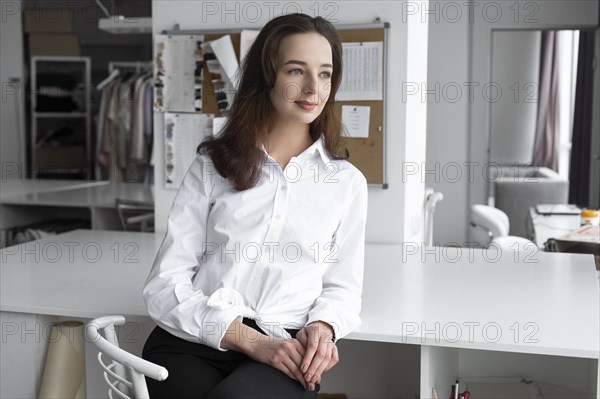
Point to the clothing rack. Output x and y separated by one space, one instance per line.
116 138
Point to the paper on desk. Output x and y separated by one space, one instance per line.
246 40
587 233
363 72
356 120
183 134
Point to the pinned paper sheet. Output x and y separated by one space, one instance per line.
223 49
356 120
177 73
246 40
363 72
218 123
183 134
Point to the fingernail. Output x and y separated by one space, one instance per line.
308 377
304 368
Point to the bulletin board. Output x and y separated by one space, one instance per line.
367 152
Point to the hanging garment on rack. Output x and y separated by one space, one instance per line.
101 120
107 125
125 127
140 128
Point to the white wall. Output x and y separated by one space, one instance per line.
12 104
458 131
394 214
447 121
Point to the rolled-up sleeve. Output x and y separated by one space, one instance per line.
171 298
340 301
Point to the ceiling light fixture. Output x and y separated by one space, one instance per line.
119 24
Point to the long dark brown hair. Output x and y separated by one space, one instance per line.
236 153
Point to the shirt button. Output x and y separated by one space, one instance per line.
283 188
277 216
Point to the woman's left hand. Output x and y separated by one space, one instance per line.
321 353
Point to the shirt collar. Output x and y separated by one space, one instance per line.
317 146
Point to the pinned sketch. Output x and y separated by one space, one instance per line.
356 120
363 72
178 73
247 37
183 134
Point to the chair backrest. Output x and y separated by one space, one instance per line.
124 373
515 195
488 223
135 215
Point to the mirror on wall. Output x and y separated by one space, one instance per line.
515 89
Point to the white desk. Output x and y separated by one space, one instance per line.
12 187
463 313
30 201
551 226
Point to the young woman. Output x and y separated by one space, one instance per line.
261 267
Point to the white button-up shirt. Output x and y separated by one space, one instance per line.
285 253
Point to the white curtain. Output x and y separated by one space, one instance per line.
547 140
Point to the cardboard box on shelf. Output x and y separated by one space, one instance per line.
48 20
64 157
53 44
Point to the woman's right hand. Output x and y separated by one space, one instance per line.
283 354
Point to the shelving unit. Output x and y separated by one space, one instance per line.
61 139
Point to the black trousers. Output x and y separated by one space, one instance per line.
201 372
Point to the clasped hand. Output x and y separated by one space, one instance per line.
304 358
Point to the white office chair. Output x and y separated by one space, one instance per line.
490 226
125 374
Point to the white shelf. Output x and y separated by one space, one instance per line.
60 114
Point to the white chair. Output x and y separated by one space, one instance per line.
125 373
135 215
490 226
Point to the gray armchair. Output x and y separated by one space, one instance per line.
519 188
